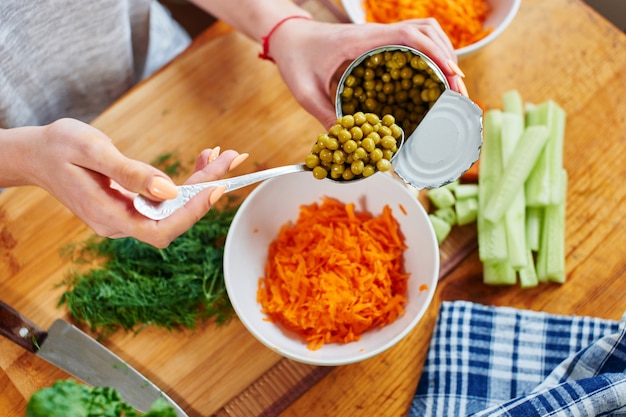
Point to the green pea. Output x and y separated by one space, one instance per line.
336 170
335 129
369 170
339 156
376 155
347 175
326 155
383 165
359 153
368 144
347 121
357 167
332 144
311 161
359 118
319 173
366 128
344 136
357 133
350 146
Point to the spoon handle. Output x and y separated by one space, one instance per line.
159 211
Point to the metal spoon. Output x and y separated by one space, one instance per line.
160 210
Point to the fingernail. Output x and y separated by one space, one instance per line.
455 68
162 188
215 152
462 87
217 194
238 160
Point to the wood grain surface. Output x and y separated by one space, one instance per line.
219 93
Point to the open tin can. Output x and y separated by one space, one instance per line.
443 129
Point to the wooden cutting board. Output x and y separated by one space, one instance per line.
219 93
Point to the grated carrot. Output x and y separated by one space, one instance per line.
335 273
461 20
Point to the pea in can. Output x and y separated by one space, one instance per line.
443 129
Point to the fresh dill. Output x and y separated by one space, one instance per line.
135 284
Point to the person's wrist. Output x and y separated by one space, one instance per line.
272 33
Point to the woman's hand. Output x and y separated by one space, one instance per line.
309 55
80 166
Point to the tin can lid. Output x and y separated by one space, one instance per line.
444 145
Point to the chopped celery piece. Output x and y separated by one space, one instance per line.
499 273
466 191
534 215
441 228
466 210
447 214
441 197
514 175
452 185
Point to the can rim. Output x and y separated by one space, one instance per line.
386 48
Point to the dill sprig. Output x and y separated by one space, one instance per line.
136 284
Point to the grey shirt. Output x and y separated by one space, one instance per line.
73 58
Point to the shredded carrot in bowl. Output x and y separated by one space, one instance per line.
461 20
335 273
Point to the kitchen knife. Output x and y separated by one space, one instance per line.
67 347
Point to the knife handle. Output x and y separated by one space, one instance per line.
19 329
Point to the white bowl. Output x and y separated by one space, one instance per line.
278 201
501 15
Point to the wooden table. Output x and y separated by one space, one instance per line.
219 93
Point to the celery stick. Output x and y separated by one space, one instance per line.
512 180
491 236
557 132
551 255
490 154
534 215
541 187
499 273
528 274
512 103
514 217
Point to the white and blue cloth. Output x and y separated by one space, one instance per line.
501 361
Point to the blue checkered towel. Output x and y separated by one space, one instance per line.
501 361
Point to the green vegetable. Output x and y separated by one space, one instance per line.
68 398
515 216
441 227
136 284
441 197
466 211
466 191
447 214
514 175
529 195
491 236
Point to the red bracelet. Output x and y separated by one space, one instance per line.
266 39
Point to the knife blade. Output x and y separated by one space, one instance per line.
72 350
